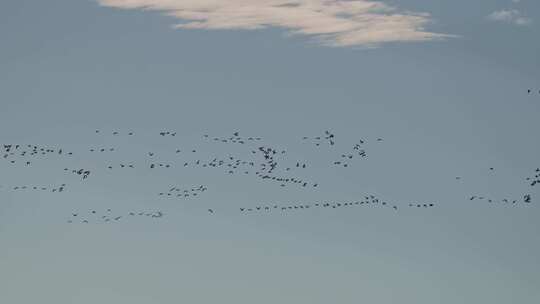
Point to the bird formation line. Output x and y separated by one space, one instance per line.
370 200
58 189
235 138
526 199
100 217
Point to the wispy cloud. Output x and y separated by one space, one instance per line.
512 16
332 22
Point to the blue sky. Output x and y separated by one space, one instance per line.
444 83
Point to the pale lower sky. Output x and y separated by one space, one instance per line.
444 83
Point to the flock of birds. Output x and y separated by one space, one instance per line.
38 188
94 216
184 193
535 179
370 200
264 163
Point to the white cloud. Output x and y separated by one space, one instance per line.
333 22
512 16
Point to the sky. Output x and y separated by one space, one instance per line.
443 83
